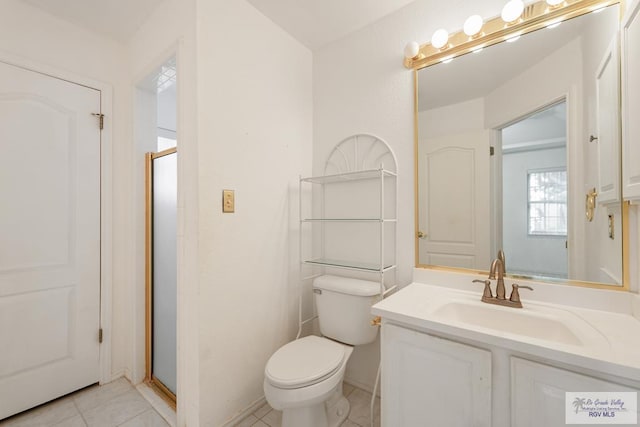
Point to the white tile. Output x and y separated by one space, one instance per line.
347 389
117 410
247 422
147 419
76 421
360 402
95 396
44 416
273 418
262 411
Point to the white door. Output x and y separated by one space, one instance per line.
49 238
454 200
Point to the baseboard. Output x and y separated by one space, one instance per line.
114 376
245 412
363 386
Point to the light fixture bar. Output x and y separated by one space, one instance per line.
534 17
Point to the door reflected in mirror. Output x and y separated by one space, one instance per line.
510 142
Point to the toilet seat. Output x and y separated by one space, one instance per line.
304 362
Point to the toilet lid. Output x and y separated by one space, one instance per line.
304 362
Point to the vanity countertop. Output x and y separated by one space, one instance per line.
595 338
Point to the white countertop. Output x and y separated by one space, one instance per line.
604 320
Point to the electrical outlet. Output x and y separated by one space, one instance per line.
228 201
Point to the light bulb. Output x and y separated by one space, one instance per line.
512 10
440 38
411 50
554 2
473 25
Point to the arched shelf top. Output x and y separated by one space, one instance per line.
360 152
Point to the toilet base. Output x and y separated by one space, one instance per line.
331 413
337 413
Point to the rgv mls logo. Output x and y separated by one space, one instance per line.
601 408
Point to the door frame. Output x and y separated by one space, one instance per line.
106 197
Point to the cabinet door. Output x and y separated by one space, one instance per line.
631 102
607 93
429 381
538 392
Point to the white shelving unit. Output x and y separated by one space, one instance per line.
352 167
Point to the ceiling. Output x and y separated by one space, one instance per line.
116 19
314 23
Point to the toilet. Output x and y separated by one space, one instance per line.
303 379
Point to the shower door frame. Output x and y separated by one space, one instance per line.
150 379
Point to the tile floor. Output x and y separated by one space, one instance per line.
117 404
359 414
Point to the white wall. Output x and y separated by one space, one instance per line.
167 100
451 119
34 38
255 135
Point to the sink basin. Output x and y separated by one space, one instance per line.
550 325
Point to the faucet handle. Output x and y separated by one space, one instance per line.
515 295
487 288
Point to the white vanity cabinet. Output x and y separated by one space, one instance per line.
538 392
435 381
630 35
430 381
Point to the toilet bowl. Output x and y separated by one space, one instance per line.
303 379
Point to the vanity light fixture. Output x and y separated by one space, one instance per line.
512 11
473 25
440 38
517 19
513 38
447 59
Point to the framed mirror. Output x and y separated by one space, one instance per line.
518 149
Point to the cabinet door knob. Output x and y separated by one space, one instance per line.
421 235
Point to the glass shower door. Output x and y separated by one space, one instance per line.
162 275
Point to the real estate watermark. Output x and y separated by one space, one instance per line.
601 407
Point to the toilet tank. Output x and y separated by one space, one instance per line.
344 308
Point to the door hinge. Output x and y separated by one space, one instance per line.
100 335
100 117
492 151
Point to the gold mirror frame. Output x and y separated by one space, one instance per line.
534 17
